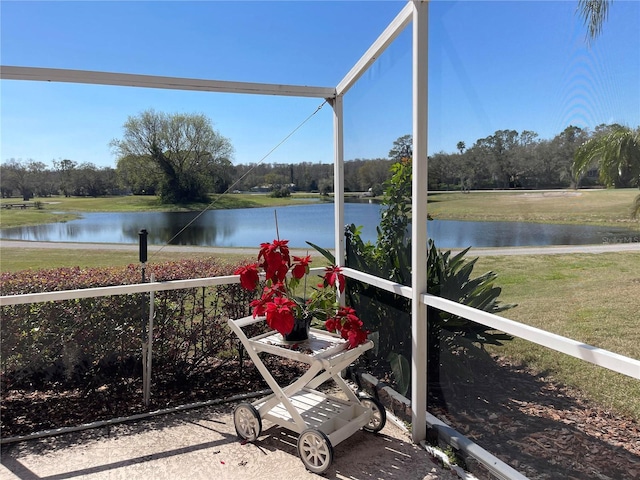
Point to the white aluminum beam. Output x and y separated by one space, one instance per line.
378 282
152 81
420 10
597 356
338 180
376 49
26 298
116 290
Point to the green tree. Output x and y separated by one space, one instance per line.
19 175
401 148
65 169
558 161
140 175
185 147
92 181
499 152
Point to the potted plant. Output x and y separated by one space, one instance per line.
290 313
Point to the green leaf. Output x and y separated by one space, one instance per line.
324 252
401 372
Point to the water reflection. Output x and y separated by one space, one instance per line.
251 226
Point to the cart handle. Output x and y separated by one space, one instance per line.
246 321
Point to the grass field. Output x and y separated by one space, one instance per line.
61 209
586 207
15 259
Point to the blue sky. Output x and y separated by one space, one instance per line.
493 65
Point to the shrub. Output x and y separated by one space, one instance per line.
280 192
86 342
448 276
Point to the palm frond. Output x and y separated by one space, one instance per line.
616 153
593 13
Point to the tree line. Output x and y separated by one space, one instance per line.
508 159
181 158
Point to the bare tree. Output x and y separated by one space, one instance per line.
185 147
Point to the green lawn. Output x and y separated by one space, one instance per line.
587 207
589 298
15 259
61 209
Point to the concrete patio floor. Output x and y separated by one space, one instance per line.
202 444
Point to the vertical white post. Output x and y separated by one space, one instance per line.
338 178
147 351
419 222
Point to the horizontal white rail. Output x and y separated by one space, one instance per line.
116 290
597 356
8 72
387 285
591 354
123 289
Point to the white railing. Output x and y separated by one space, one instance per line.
123 289
597 356
116 290
588 353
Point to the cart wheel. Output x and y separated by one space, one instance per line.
315 450
247 421
378 417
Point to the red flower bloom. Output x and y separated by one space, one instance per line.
249 276
275 259
357 337
333 276
301 266
330 324
279 313
346 323
279 303
259 307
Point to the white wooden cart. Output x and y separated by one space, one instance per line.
322 421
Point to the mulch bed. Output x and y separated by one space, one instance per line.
24 411
542 429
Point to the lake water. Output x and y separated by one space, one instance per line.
251 226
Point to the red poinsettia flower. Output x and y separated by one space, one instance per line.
259 307
275 259
301 266
279 303
346 323
331 324
356 337
333 277
249 276
279 314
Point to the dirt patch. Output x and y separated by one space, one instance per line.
540 428
26 411
551 194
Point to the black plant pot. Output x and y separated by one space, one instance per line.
300 331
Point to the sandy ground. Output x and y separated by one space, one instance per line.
202 444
